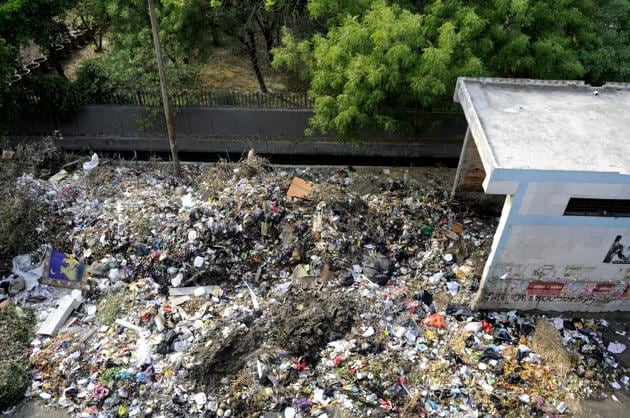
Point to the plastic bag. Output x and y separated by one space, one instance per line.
23 267
92 164
143 352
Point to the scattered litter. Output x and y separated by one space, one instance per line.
24 267
7 154
616 347
60 175
223 294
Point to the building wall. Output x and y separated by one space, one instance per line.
544 260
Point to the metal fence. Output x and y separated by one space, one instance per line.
188 99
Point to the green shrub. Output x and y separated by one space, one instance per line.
15 333
92 81
59 99
20 214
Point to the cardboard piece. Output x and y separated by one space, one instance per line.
58 317
299 188
63 271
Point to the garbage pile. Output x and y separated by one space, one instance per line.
247 290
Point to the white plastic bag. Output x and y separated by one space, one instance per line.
143 352
92 164
23 267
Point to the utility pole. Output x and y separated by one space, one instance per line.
167 107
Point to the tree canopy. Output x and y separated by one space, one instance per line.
610 60
22 22
375 58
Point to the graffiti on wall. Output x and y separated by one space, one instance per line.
603 282
616 254
544 288
555 291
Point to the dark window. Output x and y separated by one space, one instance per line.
614 208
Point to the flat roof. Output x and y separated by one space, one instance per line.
548 125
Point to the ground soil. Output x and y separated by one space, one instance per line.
71 64
302 323
230 69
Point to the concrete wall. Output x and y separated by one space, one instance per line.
202 122
236 130
542 259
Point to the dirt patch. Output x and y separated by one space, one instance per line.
71 64
229 68
547 342
301 323
226 358
306 321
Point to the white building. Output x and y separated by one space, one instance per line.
560 152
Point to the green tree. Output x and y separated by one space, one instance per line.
22 22
364 72
93 16
332 12
610 59
372 62
185 34
537 38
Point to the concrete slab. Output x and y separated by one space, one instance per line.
548 125
58 317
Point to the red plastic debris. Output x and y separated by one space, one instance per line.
386 404
339 358
275 208
435 321
487 328
300 364
145 316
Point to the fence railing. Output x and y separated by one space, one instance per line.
188 99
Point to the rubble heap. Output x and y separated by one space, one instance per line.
241 291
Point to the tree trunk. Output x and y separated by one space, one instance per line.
92 33
99 45
268 35
163 88
250 44
215 35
